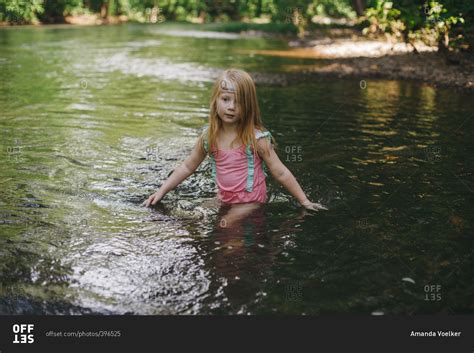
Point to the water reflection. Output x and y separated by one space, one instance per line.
244 247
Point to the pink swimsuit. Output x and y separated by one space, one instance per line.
231 176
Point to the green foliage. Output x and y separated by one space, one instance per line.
298 12
333 8
285 9
20 11
384 18
55 11
444 22
431 21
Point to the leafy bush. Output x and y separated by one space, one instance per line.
384 19
20 11
55 11
434 22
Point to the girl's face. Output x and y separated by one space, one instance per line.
227 107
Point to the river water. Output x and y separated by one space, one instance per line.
93 119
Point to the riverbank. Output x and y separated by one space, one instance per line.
431 68
347 53
342 51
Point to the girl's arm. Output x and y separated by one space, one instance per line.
186 168
283 175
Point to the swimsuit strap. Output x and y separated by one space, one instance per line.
251 162
250 167
268 135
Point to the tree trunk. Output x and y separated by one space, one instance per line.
259 8
358 6
234 11
104 9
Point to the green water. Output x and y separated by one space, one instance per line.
94 119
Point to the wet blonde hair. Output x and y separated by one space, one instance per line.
247 103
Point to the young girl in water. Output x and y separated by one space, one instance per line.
238 146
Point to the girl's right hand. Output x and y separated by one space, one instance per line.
152 200
313 206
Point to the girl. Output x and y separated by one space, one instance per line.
239 148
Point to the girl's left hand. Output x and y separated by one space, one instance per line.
313 206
